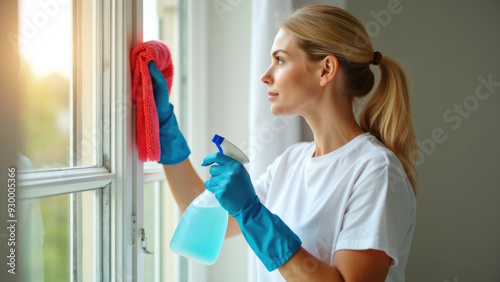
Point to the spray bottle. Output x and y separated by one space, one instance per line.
202 228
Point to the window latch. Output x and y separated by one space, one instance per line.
144 241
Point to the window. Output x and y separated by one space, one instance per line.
87 202
64 157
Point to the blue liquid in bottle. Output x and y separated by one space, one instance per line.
200 233
202 228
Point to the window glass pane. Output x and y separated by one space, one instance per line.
56 42
170 217
60 236
46 239
160 219
152 215
45 45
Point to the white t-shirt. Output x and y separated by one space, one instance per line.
356 197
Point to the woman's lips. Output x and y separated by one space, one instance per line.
272 95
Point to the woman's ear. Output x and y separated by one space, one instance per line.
330 66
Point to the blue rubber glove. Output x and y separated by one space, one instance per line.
174 148
268 236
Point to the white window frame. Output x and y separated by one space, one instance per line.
119 176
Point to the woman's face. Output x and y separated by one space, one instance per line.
291 79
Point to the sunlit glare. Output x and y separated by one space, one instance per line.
150 21
45 36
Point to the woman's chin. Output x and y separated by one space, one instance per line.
275 110
279 111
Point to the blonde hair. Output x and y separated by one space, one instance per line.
327 30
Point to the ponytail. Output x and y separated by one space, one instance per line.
387 116
326 30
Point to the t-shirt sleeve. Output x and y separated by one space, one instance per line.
378 213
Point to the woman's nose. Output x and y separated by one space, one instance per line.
266 77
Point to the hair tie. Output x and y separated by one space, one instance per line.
377 56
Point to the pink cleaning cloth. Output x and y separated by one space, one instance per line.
147 133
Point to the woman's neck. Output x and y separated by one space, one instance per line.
333 124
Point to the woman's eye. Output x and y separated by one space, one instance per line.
280 60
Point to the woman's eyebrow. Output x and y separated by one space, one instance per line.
277 51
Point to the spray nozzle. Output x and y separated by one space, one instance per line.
218 141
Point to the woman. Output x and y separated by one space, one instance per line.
341 208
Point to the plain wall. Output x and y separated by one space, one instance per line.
446 46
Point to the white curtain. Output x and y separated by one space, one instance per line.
269 135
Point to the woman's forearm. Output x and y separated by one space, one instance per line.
303 266
184 183
348 265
